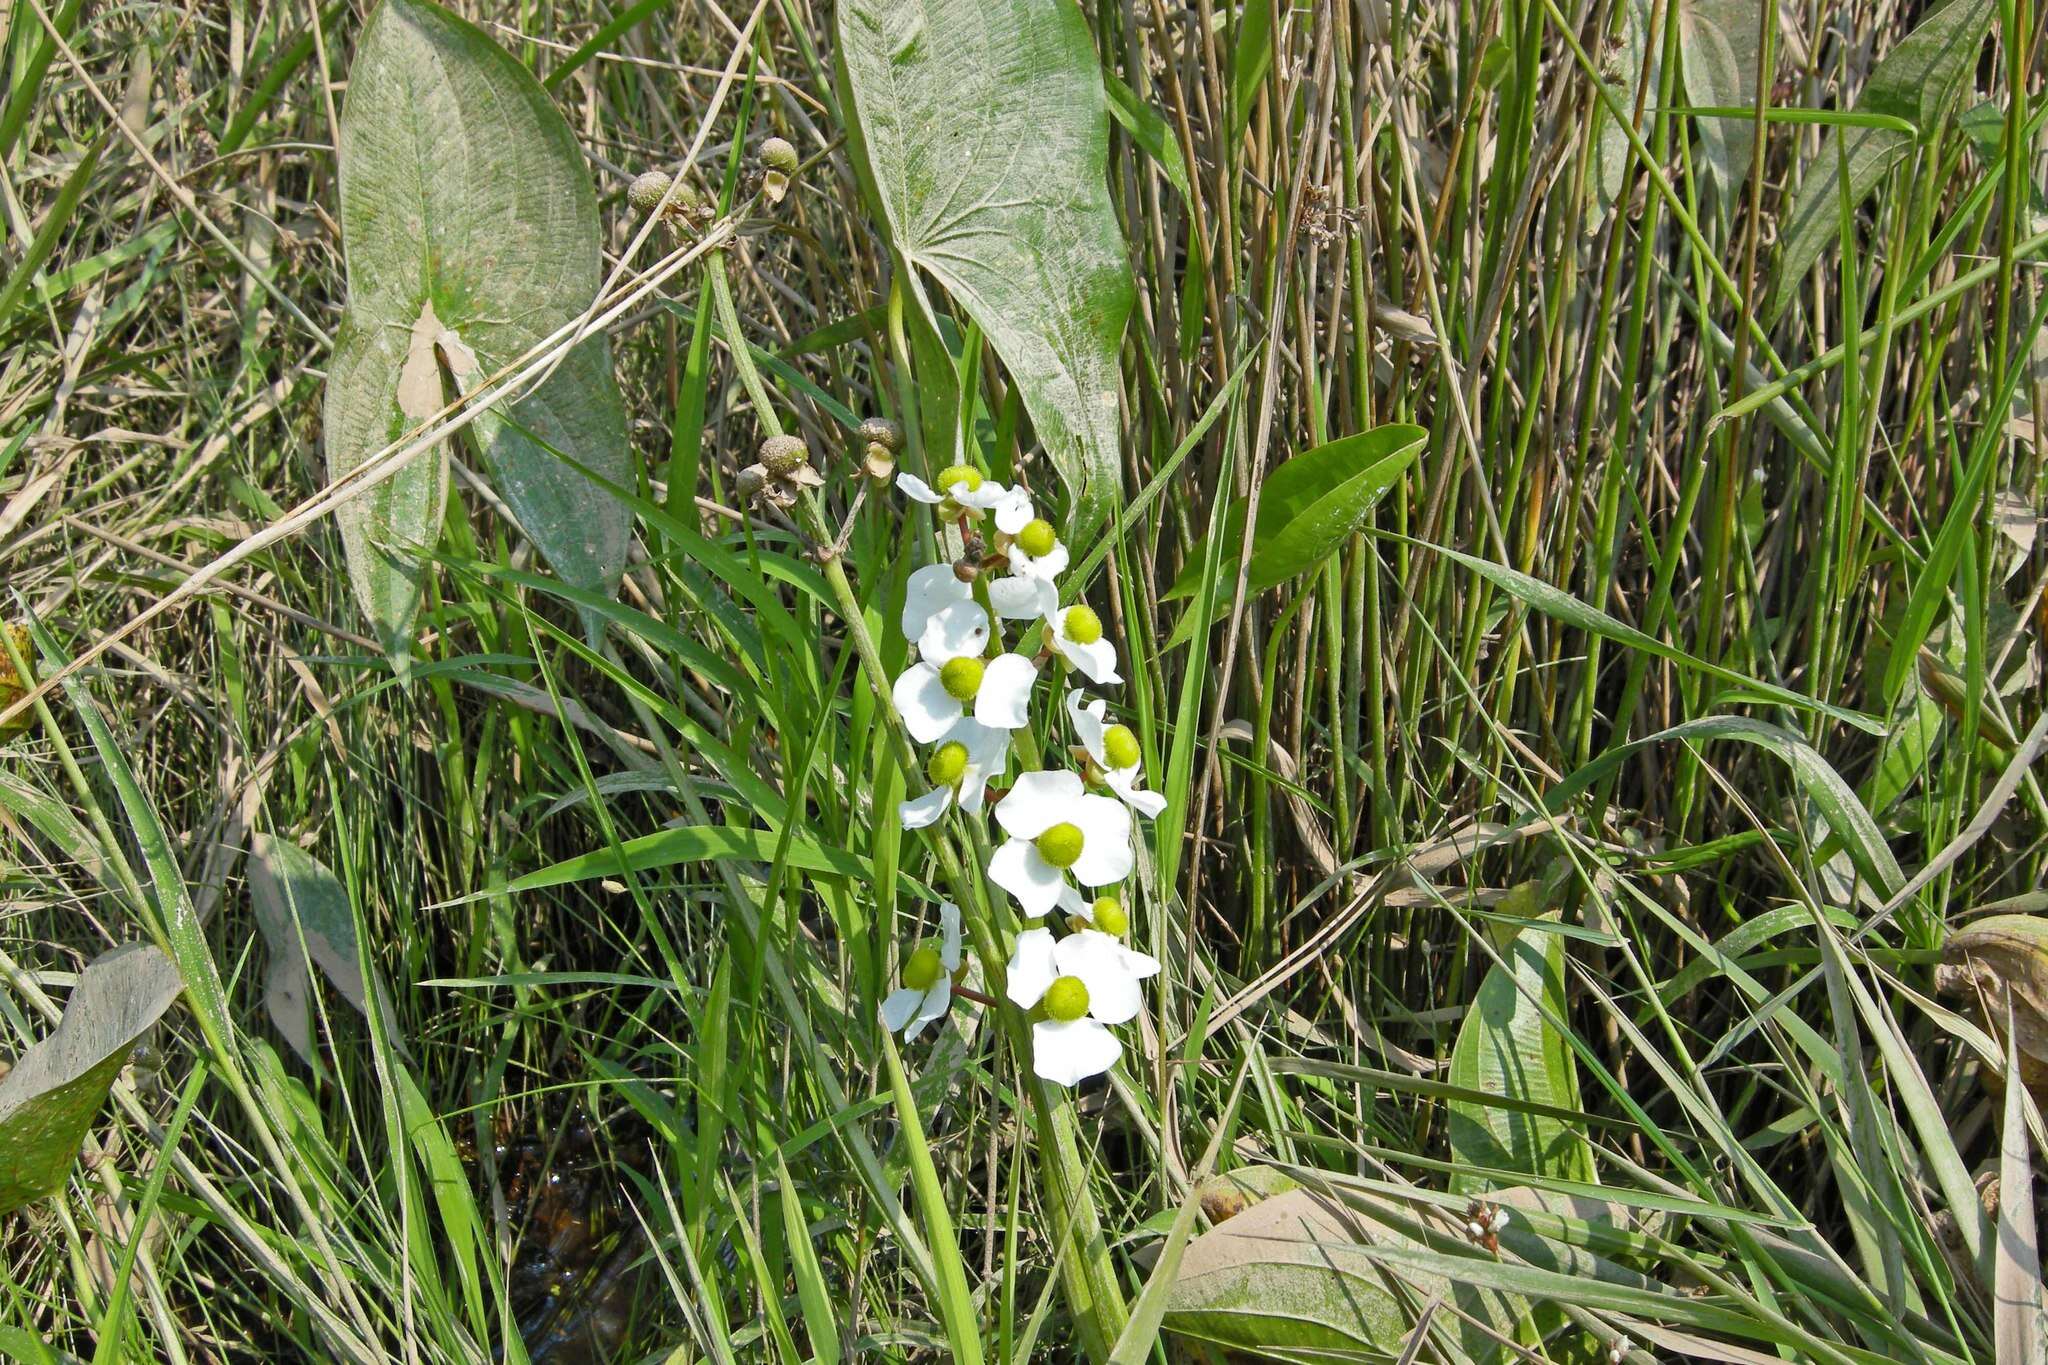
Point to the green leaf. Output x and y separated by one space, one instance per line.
1506 1047
1251 42
1625 77
984 131
1718 43
50 1097
303 911
1308 506
1298 1274
1917 81
695 844
468 221
1147 129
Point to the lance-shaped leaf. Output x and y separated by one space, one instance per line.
466 208
1719 56
48 1100
985 135
1916 81
303 911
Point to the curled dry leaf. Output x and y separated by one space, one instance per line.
2001 958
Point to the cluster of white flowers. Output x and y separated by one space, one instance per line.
964 697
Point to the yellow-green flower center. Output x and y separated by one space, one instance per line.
1120 747
1083 626
1060 845
948 765
1037 539
961 678
921 969
964 477
1109 916
1066 999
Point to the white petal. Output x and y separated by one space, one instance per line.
1046 566
1030 971
928 709
987 747
949 931
1088 724
1139 965
1039 801
1031 881
917 488
1069 1053
1072 902
1014 513
921 811
1098 959
1124 782
931 589
1022 597
1105 841
1004 701
973 789
933 1006
958 630
899 1007
1096 662
990 494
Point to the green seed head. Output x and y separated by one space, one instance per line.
1060 845
880 431
647 191
921 969
1037 539
1066 999
782 454
948 765
965 477
1083 626
1110 917
778 155
1120 746
961 678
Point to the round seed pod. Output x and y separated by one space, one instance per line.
648 190
784 455
777 155
880 431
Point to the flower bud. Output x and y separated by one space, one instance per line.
779 162
749 482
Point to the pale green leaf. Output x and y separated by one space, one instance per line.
303 911
1719 56
985 134
50 1097
466 209
1917 81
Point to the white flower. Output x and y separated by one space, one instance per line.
932 589
966 486
1023 597
927 980
933 693
959 770
1087 982
1115 750
1057 828
1076 633
1013 510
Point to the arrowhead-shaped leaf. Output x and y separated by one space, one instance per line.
1916 81
48 1100
303 911
466 208
985 132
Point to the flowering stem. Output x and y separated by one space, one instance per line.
1085 1269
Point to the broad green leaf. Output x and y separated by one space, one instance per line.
1917 81
984 132
467 217
1719 55
1297 1274
1506 1047
1832 797
303 911
1625 76
50 1097
1251 45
